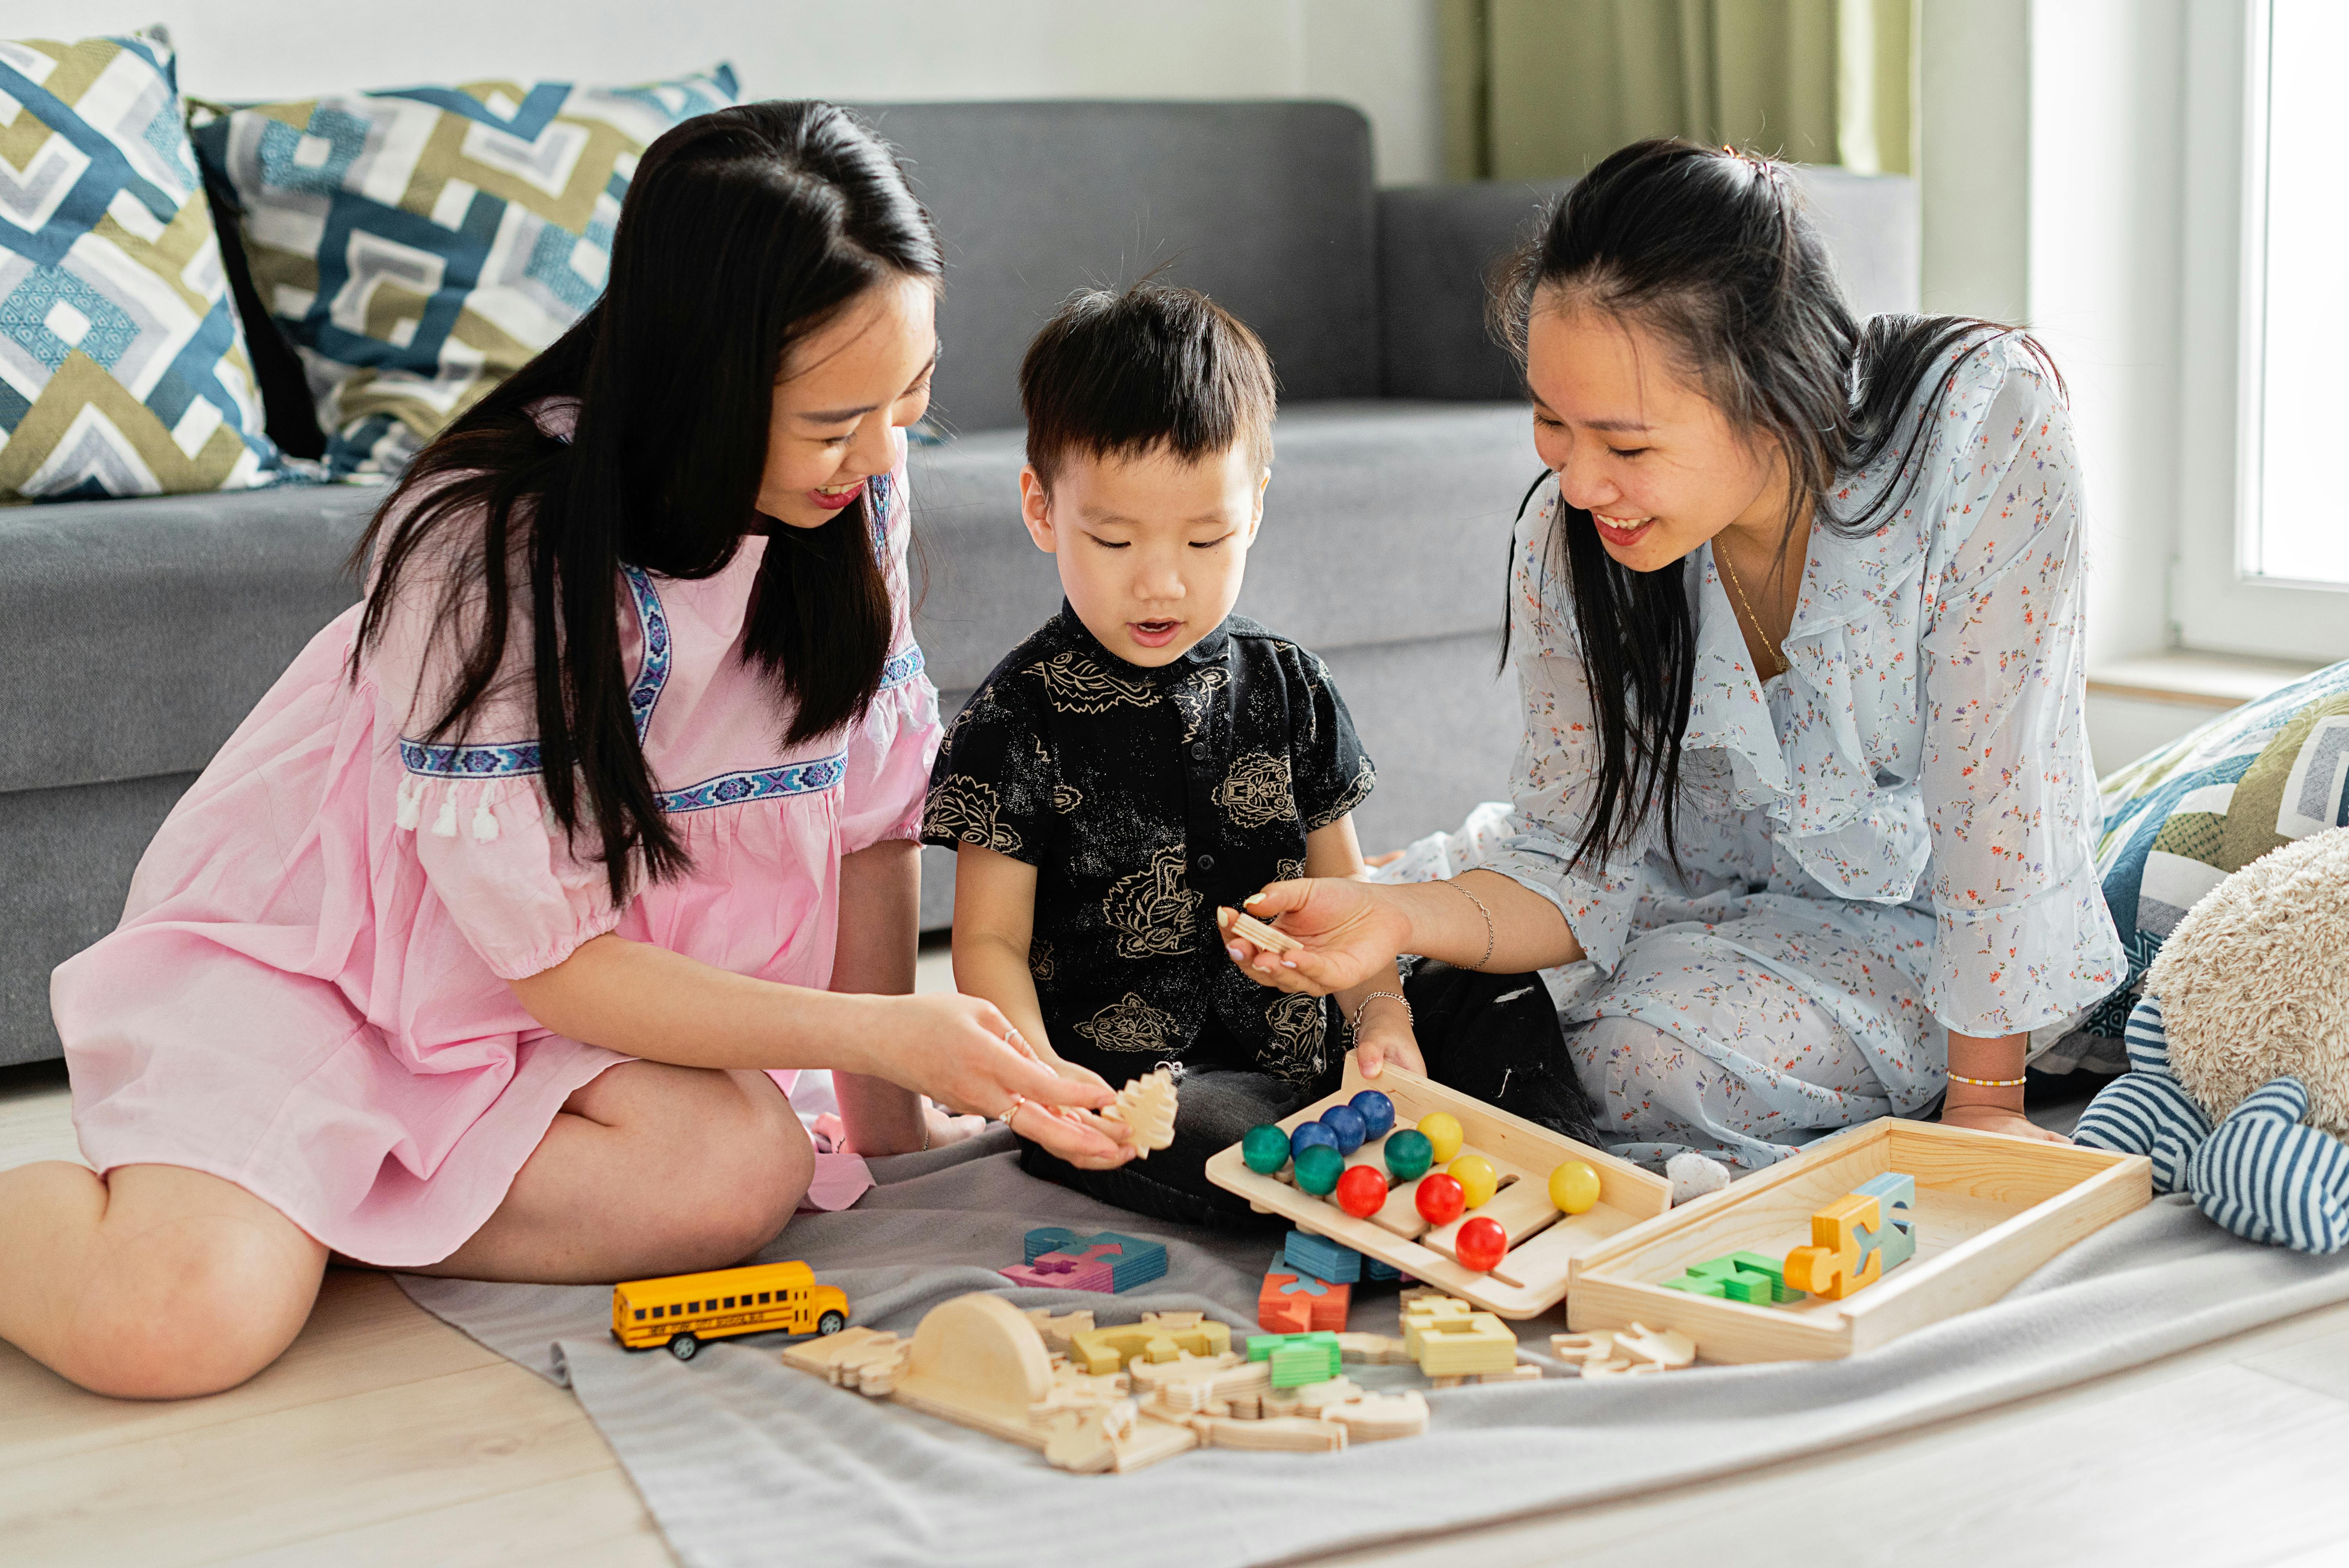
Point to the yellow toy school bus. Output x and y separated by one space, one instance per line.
683 1310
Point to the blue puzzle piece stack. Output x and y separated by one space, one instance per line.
1895 1194
1326 1260
1136 1261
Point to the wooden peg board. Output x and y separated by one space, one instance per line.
1543 1243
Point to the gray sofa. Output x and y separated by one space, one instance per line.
141 631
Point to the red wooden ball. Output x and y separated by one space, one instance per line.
1480 1243
1440 1197
1361 1190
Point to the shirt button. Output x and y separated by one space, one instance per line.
1198 749
1206 863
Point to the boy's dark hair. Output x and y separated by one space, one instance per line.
1119 375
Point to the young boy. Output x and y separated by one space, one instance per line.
1147 756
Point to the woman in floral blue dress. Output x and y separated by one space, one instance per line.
1802 822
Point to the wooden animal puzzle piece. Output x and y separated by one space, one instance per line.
1897 1190
1523 1372
1657 1347
1299 1303
1109 1349
1845 1254
1058 1328
867 1360
1146 1105
1377 1417
1373 1350
1282 1434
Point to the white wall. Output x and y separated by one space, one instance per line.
1379 54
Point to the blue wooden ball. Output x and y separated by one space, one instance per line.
1377 1111
1308 1135
1348 1124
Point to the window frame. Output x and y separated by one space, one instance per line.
2217 603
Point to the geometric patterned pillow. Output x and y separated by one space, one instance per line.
418 246
2179 821
123 365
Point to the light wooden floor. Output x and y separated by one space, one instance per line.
383 1436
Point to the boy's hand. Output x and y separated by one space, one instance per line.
1380 1044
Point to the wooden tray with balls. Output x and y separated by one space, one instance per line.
1436 1219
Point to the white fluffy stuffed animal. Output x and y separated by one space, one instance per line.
2240 1053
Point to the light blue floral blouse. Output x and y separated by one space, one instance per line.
1900 828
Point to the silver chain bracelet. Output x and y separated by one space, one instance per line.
1488 913
1356 1027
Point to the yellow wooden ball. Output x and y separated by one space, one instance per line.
1442 1130
1574 1186
1478 1180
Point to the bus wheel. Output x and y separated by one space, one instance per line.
831 1323
685 1347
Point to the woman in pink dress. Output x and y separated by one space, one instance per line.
490 943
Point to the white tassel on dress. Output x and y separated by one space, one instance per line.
485 825
410 808
444 826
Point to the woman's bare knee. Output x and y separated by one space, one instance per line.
755 1167
192 1286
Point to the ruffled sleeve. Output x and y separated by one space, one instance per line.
1556 774
2023 937
891 747
471 807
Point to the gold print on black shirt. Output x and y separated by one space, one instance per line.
1150 911
1077 684
1130 1024
1066 798
1255 791
1195 697
1296 1046
1039 960
965 808
1358 790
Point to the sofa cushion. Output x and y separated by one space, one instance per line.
418 245
1266 206
2177 822
144 631
1438 245
1386 522
123 368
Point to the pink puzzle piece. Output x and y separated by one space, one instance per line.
1088 1270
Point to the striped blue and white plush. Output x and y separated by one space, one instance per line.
2261 1172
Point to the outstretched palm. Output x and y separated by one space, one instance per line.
1351 933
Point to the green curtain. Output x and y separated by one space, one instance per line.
1534 90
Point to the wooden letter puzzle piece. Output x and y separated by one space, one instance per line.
1159 1337
1845 1254
1271 938
1299 1303
1662 1348
1897 1190
1739 1276
1057 1329
1322 1258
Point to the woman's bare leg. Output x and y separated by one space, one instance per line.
648 1170
155 1282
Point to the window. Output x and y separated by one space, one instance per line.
729 1301
692 1306
2263 532
640 1314
763 1297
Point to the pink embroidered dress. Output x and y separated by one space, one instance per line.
308 994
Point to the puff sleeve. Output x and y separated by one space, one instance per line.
470 809
2022 935
890 748
1333 774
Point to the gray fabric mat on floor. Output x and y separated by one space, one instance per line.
745 1461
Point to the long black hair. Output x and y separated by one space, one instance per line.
743 231
1710 250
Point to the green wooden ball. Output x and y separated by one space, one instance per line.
1319 1167
1409 1154
1266 1148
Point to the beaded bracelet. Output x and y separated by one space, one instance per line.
1988 1083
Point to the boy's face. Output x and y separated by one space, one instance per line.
1151 548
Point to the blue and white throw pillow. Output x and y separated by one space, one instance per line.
123 368
419 245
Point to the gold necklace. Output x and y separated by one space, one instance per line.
1759 630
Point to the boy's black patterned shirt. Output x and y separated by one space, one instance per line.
1144 797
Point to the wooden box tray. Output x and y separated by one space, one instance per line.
1990 1210
1543 1243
